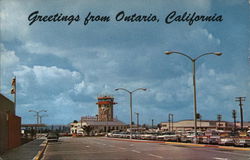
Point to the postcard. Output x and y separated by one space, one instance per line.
117 79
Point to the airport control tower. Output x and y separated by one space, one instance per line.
105 108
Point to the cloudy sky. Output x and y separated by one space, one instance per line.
63 68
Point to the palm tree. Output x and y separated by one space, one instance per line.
87 129
234 117
219 117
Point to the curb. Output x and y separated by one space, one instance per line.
183 144
40 153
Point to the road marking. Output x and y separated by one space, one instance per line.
111 146
104 144
131 145
136 151
238 154
220 158
153 155
87 146
122 148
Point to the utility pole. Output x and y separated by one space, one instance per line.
1 72
240 99
152 123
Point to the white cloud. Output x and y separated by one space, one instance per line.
43 80
202 34
40 48
13 20
8 57
79 87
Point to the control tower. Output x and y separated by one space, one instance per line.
105 108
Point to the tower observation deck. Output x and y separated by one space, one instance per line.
105 108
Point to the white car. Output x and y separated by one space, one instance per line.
244 142
226 141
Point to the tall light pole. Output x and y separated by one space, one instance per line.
37 116
130 97
170 120
193 60
42 117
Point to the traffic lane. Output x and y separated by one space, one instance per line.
86 148
180 151
103 148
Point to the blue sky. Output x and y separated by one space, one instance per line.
63 68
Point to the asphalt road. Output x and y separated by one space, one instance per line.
98 148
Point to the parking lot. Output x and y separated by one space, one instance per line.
108 148
188 137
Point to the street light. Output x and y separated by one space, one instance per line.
42 117
170 119
194 83
130 95
37 116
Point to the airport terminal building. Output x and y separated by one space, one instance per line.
104 121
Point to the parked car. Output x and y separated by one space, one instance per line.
52 136
226 141
213 139
148 136
171 138
243 142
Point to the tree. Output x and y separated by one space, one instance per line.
75 121
159 126
219 117
87 129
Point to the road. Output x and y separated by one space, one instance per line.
95 148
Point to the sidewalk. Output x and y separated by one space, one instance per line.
24 152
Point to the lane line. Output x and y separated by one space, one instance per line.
104 144
87 146
122 148
135 151
218 158
181 144
111 146
153 155
232 153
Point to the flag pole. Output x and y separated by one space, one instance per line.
13 91
15 96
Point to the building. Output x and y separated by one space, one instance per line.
187 125
103 122
10 125
105 108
